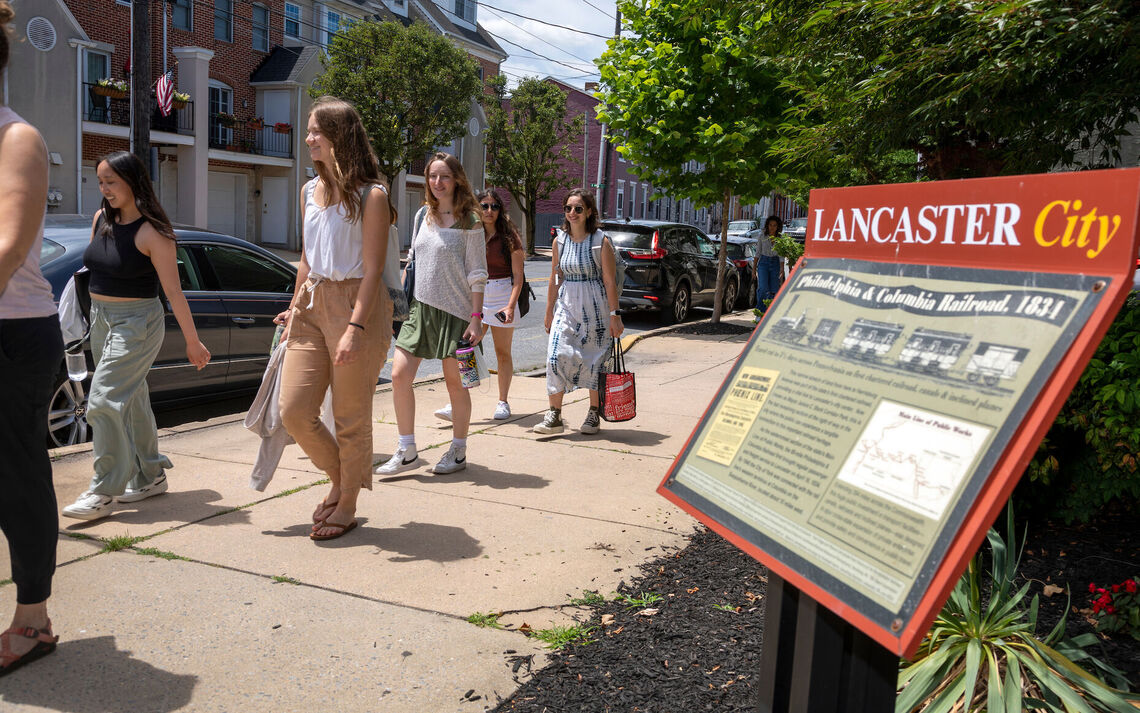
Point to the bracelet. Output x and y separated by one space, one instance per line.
477 314
357 325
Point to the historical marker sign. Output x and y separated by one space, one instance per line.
883 411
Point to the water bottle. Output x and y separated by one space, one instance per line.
76 366
468 367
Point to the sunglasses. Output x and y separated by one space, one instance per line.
574 209
490 206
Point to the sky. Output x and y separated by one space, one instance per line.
520 37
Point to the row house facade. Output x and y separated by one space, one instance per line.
233 157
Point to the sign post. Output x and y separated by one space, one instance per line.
885 408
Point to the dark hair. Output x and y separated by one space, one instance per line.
7 14
591 205
779 224
354 163
128 167
504 226
463 200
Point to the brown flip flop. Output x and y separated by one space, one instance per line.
343 530
321 508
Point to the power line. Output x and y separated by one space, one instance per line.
599 9
536 54
544 22
540 39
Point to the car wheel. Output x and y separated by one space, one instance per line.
682 301
730 297
67 413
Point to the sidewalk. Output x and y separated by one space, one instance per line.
218 601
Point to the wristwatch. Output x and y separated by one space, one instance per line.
615 313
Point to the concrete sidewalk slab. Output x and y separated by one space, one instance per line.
69 549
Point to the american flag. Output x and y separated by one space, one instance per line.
164 91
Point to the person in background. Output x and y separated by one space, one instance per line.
450 257
505 259
338 325
767 262
584 319
132 251
31 350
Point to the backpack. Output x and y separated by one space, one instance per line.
596 253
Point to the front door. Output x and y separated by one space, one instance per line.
275 211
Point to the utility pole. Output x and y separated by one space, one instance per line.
140 81
605 187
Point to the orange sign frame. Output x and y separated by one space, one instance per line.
1065 223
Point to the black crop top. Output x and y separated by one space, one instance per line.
117 267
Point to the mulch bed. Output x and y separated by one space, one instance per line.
710 328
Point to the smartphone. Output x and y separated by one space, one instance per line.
501 315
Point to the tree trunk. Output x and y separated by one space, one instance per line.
529 211
721 259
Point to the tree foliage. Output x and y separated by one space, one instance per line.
412 87
685 83
970 88
528 143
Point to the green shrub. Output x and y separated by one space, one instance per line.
1089 457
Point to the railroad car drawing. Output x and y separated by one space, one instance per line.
869 339
991 363
824 333
931 351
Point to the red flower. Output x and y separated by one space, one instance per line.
1130 586
1116 589
1092 587
1110 609
1096 607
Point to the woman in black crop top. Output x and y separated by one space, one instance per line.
132 252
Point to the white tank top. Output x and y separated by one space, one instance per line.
334 247
28 294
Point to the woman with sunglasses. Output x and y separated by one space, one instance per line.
505 257
583 320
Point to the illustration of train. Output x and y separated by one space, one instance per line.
931 351
790 329
824 333
991 363
869 339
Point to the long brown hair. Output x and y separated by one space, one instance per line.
591 205
463 201
353 163
504 226
7 14
128 167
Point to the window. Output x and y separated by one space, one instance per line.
633 200
224 20
183 15
620 200
260 28
644 200
292 20
243 271
332 25
96 108
221 102
465 10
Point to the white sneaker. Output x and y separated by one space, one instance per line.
455 459
502 411
444 413
89 506
158 487
403 459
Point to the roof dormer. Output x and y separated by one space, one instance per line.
461 12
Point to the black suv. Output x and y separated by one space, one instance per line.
669 267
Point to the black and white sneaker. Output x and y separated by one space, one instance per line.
157 487
551 422
403 459
455 459
592 423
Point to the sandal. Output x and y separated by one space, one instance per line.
45 644
326 508
343 530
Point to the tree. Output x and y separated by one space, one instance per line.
968 88
412 87
680 90
528 143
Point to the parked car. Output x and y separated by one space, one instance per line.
742 254
741 228
670 267
234 290
796 228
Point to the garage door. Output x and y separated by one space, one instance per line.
222 203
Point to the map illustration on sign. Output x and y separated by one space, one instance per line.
913 458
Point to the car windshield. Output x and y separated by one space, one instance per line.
740 226
49 251
627 237
795 225
736 251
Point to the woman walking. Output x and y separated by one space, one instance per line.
338 325
451 271
505 278
584 319
132 252
31 350
767 263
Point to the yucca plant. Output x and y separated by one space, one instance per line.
982 652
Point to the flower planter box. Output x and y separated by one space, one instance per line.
282 128
111 92
178 104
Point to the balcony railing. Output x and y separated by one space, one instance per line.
116 111
245 137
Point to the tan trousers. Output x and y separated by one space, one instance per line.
315 329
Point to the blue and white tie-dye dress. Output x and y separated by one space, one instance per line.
580 334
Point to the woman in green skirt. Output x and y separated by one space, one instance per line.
451 271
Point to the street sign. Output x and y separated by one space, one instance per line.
885 408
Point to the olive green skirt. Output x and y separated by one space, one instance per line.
430 333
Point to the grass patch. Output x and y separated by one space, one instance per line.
639 602
588 599
726 607
282 579
161 554
119 542
5 582
78 536
485 621
558 636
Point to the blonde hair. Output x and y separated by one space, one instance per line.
353 163
464 205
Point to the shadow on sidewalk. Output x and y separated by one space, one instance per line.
475 475
410 542
188 506
94 676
